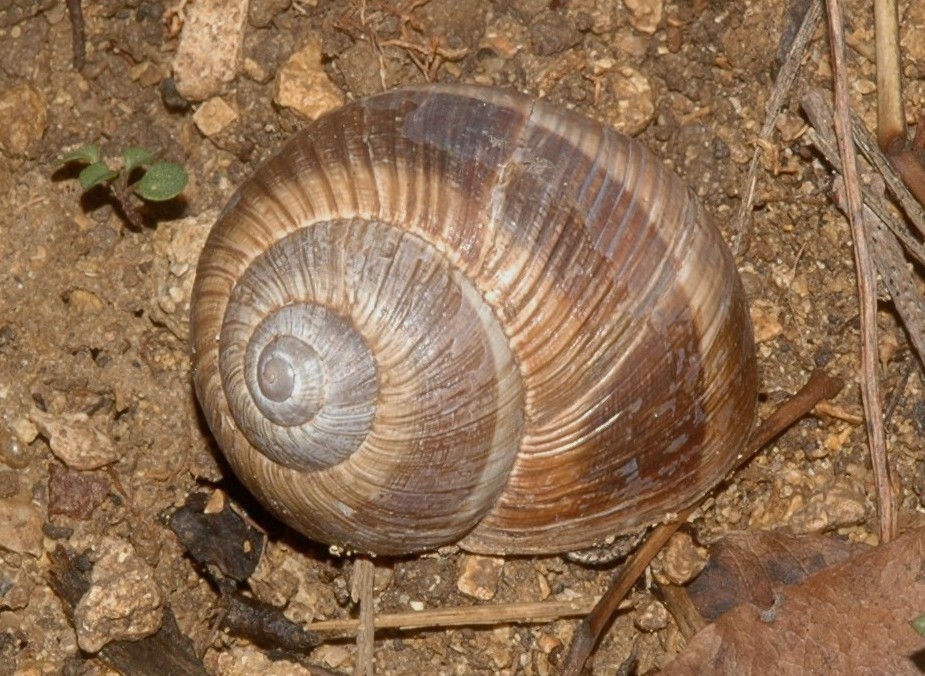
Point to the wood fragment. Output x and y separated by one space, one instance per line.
682 609
78 33
265 625
361 591
838 412
223 539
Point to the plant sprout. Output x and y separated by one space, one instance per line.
140 174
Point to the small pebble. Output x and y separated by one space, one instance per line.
645 15
210 47
74 440
23 119
123 602
682 560
479 576
634 103
651 616
303 85
21 525
213 116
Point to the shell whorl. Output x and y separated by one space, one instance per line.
453 312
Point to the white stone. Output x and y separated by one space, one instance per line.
210 47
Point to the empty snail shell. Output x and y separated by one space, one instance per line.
459 314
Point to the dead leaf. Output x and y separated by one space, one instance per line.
745 567
847 619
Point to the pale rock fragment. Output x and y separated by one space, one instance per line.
75 441
123 603
479 576
645 15
303 86
23 118
21 525
209 51
213 116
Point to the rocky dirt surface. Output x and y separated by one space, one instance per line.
100 437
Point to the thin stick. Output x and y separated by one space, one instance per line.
782 86
819 386
870 385
591 628
891 123
819 112
361 591
461 616
78 34
891 120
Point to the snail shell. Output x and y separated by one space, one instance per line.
457 314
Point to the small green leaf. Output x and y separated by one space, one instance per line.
89 153
919 624
162 181
95 174
136 157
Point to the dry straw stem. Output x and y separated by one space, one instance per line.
461 616
886 231
867 282
891 123
891 118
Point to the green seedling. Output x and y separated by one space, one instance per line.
140 175
919 624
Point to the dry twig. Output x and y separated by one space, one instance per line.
465 616
78 33
361 591
867 283
885 230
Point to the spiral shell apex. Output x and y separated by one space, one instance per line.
458 314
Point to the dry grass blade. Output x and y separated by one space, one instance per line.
867 283
463 616
885 231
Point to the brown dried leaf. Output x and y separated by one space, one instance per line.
745 567
847 619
